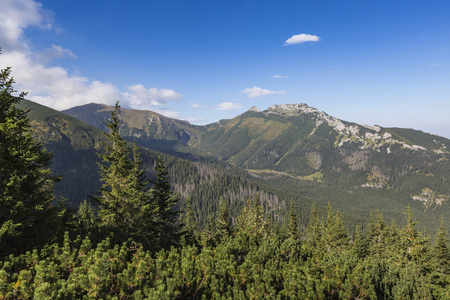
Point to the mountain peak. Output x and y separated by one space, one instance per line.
254 108
291 108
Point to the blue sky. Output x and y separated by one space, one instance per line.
369 62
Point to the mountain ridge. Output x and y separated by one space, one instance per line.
298 153
304 143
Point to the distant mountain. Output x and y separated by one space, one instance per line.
297 152
302 143
147 128
75 145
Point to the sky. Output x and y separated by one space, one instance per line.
371 62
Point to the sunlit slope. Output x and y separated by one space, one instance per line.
147 128
306 144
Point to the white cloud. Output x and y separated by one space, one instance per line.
142 98
15 16
278 76
301 38
228 106
54 86
167 113
256 92
195 105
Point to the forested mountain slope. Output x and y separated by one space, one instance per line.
75 145
302 151
147 128
328 159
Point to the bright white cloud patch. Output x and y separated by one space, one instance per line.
278 76
256 92
142 98
195 105
15 16
168 113
54 86
301 38
228 106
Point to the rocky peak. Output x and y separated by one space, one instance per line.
254 108
291 108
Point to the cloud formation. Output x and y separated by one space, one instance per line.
278 76
15 16
301 38
142 98
54 86
256 92
228 106
195 105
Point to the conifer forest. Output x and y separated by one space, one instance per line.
135 238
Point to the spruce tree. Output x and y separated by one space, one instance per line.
27 217
292 229
125 204
441 251
360 245
189 224
223 222
114 171
165 200
314 232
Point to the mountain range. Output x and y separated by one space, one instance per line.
291 151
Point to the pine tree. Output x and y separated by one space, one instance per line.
190 229
252 222
86 221
27 217
360 245
335 233
441 250
314 232
292 228
143 208
414 245
125 204
165 200
114 172
223 222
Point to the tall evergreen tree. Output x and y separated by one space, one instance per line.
441 250
314 231
190 230
360 244
27 217
165 200
125 203
292 229
114 173
223 222
413 244
335 233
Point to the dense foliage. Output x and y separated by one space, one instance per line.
27 216
254 261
